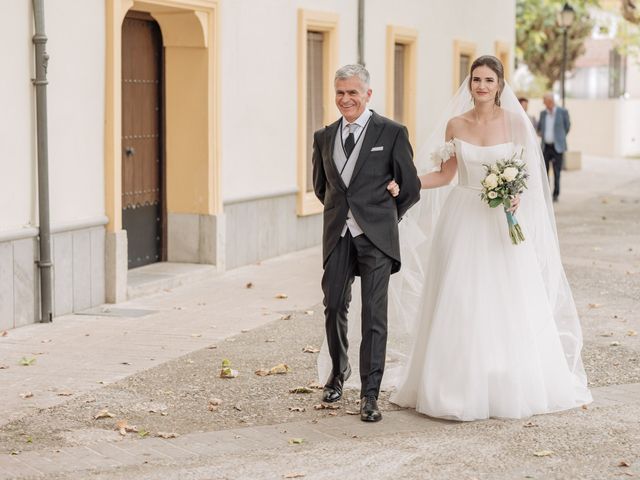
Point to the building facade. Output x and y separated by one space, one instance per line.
179 130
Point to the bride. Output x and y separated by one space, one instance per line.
495 326
481 327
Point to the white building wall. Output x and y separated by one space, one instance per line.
17 160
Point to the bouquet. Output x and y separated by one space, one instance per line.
504 180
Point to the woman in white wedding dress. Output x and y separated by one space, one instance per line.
495 329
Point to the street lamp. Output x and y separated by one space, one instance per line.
565 19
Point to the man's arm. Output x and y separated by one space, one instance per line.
540 122
405 173
319 177
567 121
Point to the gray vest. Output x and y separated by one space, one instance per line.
340 159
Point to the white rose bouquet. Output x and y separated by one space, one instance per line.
504 180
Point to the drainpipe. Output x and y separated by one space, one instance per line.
361 32
44 263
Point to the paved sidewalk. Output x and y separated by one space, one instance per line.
79 353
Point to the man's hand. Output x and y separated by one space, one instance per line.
393 188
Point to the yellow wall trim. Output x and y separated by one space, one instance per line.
409 38
461 47
503 53
307 203
192 110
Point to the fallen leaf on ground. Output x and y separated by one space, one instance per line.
296 441
297 409
123 427
352 412
624 463
4 333
125 363
167 435
143 433
585 407
286 317
262 372
3 366
293 475
214 403
212 347
326 406
279 369
595 305
308 312
227 371
333 414
237 407
270 340
196 335
543 453
26 362
632 333
246 330
316 386
614 344
606 334
190 362
48 340
310 349
249 285
282 296
530 424
26 395
104 413
300 390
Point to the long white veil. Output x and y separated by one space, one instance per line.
417 228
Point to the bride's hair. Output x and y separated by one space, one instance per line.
494 64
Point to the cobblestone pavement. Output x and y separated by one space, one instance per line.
160 375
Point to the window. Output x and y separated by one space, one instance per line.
317 63
401 76
503 53
464 53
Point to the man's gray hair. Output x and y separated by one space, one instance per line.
549 95
353 70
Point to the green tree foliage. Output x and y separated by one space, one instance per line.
539 38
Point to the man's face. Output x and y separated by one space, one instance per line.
548 102
352 97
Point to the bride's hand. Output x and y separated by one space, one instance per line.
393 188
515 202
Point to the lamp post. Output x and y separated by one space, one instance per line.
565 19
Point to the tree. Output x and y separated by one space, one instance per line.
630 11
539 38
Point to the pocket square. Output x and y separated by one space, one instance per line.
377 149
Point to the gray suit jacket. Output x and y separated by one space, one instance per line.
372 206
561 128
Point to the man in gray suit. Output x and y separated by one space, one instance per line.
553 127
354 159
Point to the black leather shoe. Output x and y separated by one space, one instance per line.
369 411
333 389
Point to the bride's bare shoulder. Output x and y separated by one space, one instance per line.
458 123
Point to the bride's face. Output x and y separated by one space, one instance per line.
484 85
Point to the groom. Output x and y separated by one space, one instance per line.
354 159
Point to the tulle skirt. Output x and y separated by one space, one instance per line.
487 344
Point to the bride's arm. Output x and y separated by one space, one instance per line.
443 177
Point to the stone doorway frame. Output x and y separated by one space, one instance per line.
192 134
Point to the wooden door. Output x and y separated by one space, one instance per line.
142 139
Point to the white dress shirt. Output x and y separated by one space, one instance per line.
549 123
357 126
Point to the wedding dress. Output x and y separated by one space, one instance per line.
486 341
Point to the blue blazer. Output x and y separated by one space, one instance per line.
561 128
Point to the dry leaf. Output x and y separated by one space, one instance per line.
296 441
310 349
624 463
196 335
632 333
297 409
308 312
3 366
26 395
333 414
300 390
607 334
279 369
104 413
125 363
270 340
352 412
282 296
316 385
293 475
246 330
543 453
585 407
123 427
262 372
249 285
190 362
614 344
326 406
4 333
530 424
167 435
595 305
27 362
48 340
286 317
